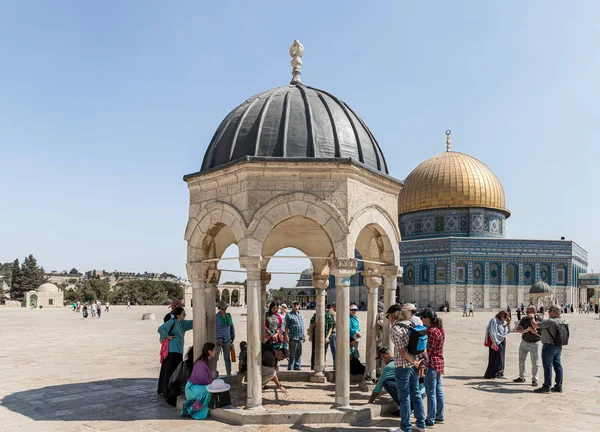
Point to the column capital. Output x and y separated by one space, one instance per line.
391 271
372 278
251 263
265 277
320 281
343 267
197 271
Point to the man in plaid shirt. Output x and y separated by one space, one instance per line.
312 335
407 370
294 335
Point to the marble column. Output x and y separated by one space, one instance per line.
372 281
343 269
486 297
320 282
503 297
255 332
389 298
195 274
211 313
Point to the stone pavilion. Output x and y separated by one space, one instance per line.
294 166
47 295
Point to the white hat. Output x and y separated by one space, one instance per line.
353 307
218 386
283 305
409 306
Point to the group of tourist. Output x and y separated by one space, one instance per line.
588 308
552 334
93 308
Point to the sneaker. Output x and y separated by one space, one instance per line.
429 425
534 383
439 421
556 389
519 380
542 390
415 428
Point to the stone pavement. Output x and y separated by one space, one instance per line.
62 373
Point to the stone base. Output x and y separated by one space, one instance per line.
148 316
351 415
12 303
366 386
318 378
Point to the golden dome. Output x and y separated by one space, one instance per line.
451 180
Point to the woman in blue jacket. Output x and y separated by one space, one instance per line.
173 330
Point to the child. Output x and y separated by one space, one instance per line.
243 363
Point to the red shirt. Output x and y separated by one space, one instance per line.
435 348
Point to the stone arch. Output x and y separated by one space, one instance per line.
384 234
306 205
235 296
33 300
212 229
225 295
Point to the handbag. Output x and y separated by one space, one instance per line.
232 352
164 345
219 400
488 342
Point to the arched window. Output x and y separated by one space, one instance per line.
440 273
409 275
512 274
461 272
494 274
528 274
478 274
561 274
545 275
424 273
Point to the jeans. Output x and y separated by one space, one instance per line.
390 387
435 396
332 346
407 383
551 358
295 358
226 348
533 349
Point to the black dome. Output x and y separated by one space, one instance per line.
293 121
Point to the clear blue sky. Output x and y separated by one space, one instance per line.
106 105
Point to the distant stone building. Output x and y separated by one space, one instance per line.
47 295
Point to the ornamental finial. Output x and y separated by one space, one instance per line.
448 132
296 52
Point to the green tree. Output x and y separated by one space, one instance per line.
74 271
32 276
15 282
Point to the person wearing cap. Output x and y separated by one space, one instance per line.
174 304
294 335
551 353
312 335
407 370
225 335
270 359
436 336
530 344
387 379
354 324
412 308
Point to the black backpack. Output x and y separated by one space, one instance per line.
562 334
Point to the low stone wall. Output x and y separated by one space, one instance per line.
13 304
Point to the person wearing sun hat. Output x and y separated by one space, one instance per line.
413 310
175 303
225 335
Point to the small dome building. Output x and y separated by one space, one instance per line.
452 214
47 295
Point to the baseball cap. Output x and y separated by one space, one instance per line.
393 308
354 307
554 308
381 352
222 304
409 306
428 313
283 305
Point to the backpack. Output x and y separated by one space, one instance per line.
562 334
417 338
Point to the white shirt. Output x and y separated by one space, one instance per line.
416 320
94 307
